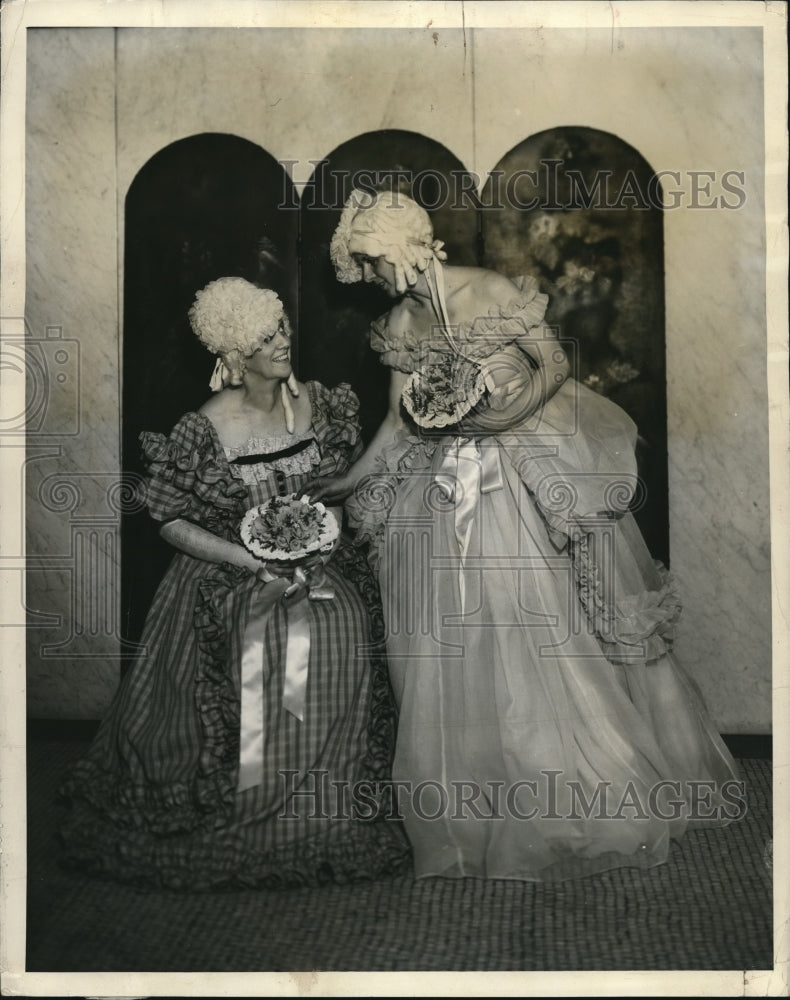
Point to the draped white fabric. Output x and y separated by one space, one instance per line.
511 705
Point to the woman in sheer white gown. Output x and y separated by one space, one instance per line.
546 730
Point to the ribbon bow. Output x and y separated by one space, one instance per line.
468 470
308 583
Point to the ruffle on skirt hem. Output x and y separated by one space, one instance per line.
175 835
353 851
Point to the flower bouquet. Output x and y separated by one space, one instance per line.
289 530
443 392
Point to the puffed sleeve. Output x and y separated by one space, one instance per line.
402 354
516 321
336 427
186 479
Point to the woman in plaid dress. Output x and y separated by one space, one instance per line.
219 763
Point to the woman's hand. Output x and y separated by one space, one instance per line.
330 491
507 374
337 513
269 572
518 386
275 588
336 490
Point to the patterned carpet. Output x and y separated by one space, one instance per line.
709 907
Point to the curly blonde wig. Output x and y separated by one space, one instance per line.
232 317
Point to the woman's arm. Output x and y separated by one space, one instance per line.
392 428
521 376
525 377
202 544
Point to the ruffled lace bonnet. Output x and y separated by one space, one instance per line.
389 225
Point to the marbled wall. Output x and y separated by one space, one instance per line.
101 103
298 93
72 309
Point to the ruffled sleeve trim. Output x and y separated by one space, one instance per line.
639 628
504 324
508 323
189 477
402 354
335 416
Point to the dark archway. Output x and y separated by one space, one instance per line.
204 207
580 210
214 204
335 318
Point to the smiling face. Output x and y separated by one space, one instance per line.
377 271
272 360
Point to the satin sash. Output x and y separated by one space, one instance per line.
297 650
468 469
306 585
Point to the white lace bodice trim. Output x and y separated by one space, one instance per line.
289 465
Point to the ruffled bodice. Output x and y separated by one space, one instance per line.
503 324
575 455
192 476
158 800
260 458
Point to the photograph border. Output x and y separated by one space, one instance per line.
22 14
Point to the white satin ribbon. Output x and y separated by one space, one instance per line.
288 410
439 303
297 649
467 471
251 722
218 376
297 657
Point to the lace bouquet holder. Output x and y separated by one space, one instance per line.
443 391
289 535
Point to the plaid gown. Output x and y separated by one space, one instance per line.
155 800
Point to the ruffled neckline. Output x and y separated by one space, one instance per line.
253 444
270 444
190 475
333 423
482 336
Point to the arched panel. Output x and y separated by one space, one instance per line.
202 208
335 318
580 210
